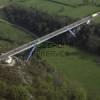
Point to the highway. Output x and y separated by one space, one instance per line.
46 37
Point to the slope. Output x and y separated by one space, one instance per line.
71 8
77 65
35 80
11 37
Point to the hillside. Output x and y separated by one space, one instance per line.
10 37
71 8
37 79
79 66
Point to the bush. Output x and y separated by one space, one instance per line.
18 93
3 89
75 92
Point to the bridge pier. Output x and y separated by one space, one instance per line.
72 33
30 54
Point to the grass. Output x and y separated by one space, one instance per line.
11 37
76 65
71 8
59 8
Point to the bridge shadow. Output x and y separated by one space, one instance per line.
60 3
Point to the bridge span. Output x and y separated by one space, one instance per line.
47 37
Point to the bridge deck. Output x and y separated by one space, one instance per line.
46 37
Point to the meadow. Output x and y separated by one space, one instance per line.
80 67
71 8
11 37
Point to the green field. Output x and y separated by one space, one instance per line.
11 37
76 65
71 8
61 9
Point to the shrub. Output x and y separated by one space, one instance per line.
3 89
19 93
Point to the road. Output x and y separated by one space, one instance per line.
47 37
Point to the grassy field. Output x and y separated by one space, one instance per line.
63 7
71 8
10 36
76 65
